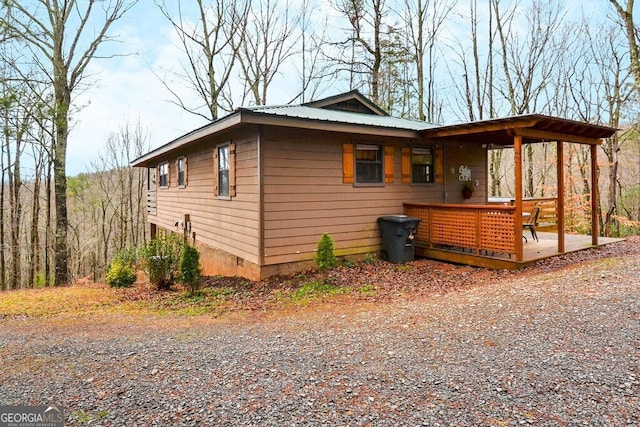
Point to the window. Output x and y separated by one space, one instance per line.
163 174
368 164
224 173
223 170
421 165
182 171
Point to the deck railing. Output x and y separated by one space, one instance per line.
548 219
479 229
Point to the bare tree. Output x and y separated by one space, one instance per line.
270 40
625 12
313 70
529 62
63 36
119 209
476 90
609 82
40 157
425 19
211 52
367 33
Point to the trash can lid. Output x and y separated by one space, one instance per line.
398 218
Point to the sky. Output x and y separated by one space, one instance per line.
126 89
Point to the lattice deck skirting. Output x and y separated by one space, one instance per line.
477 228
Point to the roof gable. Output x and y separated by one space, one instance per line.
353 102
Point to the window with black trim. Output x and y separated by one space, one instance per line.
421 165
368 164
163 175
223 170
182 171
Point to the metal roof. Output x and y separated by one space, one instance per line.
335 116
300 116
532 127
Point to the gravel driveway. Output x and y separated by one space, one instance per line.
545 348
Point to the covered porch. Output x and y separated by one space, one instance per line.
486 236
483 233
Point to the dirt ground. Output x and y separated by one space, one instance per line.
422 344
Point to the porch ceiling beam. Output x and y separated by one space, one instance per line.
555 136
461 130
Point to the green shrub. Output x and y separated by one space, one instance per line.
161 260
370 258
120 274
325 256
126 255
190 271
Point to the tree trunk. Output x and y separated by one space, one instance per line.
60 186
3 259
47 235
15 204
34 265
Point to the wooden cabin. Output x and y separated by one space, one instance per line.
255 190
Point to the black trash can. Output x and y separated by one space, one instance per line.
398 232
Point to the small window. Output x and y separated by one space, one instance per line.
368 164
223 170
421 165
163 175
182 171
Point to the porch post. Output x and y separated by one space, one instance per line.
517 160
595 223
560 191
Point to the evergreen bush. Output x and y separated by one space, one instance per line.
190 271
161 259
325 255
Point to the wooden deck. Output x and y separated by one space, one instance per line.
533 251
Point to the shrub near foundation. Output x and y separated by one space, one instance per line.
190 271
325 255
161 260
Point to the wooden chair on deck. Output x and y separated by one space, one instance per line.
531 223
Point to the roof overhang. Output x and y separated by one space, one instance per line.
257 117
532 128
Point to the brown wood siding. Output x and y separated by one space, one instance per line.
304 195
228 225
472 156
